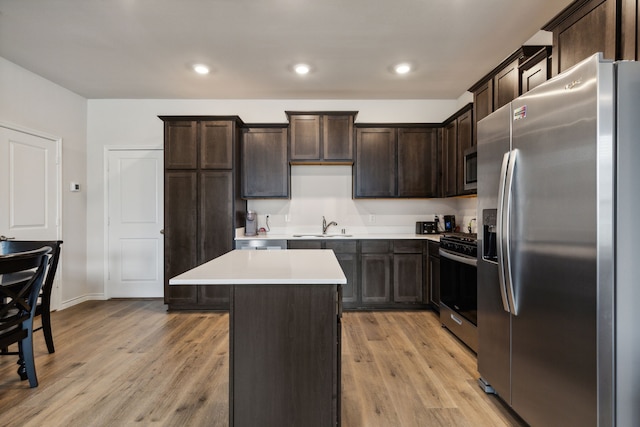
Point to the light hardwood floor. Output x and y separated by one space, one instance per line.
130 362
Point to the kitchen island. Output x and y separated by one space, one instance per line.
284 334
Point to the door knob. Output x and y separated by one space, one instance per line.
162 231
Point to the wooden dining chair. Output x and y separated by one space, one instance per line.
22 275
43 309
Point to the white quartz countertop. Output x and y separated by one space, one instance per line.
338 237
306 266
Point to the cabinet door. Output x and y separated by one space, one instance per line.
265 169
434 280
180 145
375 162
407 277
590 29
483 101
417 162
349 265
450 159
465 140
337 137
180 229
216 144
216 230
305 137
376 278
506 85
535 75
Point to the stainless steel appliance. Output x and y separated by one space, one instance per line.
261 244
251 224
470 168
458 286
557 286
426 227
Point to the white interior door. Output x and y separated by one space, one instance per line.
135 220
30 190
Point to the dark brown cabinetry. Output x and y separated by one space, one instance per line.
535 70
589 26
407 271
417 162
265 169
399 161
432 275
381 274
457 137
501 85
346 252
284 355
202 202
375 169
321 136
376 271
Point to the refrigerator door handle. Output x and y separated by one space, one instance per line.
500 232
507 232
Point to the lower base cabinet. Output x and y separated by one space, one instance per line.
432 278
381 274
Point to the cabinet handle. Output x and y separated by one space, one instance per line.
455 319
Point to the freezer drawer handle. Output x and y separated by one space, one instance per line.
455 319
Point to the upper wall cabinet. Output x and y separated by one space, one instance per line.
396 161
502 84
586 27
265 169
457 137
321 136
535 70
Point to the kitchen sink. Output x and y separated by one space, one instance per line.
324 236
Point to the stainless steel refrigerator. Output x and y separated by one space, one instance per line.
558 273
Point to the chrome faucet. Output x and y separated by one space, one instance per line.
325 225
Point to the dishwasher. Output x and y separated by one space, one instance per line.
261 244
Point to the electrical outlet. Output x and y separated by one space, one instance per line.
372 218
287 218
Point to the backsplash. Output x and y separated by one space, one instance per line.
318 191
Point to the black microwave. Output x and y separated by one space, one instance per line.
471 168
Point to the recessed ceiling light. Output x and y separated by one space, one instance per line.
403 68
201 69
301 69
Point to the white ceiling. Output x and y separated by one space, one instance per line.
144 48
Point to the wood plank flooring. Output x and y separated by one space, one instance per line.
130 362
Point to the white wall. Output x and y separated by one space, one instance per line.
33 103
318 191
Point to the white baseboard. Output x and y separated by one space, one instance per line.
78 300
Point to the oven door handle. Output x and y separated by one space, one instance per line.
459 258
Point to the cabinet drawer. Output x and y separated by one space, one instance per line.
407 246
342 247
304 244
375 246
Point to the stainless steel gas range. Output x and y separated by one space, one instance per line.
458 286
